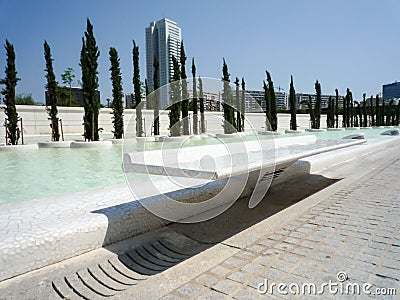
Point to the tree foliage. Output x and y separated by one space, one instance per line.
25 99
90 83
10 82
117 105
156 85
175 125
229 113
194 101
293 105
201 99
51 87
137 89
185 97
272 99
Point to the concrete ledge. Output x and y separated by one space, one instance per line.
145 139
18 147
269 132
229 135
176 139
335 129
391 132
94 144
59 144
356 136
294 131
315 130
352 128
369 127
116 141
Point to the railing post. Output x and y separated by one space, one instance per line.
62 131
22 131
6 126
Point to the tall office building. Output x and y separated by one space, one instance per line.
163 40
391 90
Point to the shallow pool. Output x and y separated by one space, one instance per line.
48 172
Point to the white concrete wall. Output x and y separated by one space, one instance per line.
35 120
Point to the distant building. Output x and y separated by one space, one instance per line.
212 101
255 99
130 100
77 91
163 40
391 90
324 100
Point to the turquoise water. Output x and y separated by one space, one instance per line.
48 172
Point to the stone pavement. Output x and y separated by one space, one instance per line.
352 235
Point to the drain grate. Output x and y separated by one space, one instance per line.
118 274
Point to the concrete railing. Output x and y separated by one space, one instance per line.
35 120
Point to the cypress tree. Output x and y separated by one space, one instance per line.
317 112
10 82
51 87
344 121
293 105
90 83
243 105
201 98
372 111
397 123
229 116
267 100
137 90
359 120
311 110
378 111
348 109
383 113
156 85
194 101
364 110
237 98
174 114
146 86
272 99
337 107
117 106
185 97
329 115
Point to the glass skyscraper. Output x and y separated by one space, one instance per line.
163 40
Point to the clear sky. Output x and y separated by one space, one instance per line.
343 43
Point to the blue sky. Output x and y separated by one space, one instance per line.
342 43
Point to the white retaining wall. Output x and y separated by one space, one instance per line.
35 120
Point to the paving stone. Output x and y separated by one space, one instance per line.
241 277
221 271
257 248
234 262
190 290
212 295
247 293
207 280
227 286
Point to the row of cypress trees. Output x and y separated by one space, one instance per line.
362 114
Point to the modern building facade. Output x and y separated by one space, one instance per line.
324 100
77 91
391 90
163 40
255 99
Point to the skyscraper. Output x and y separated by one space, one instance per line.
163 40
